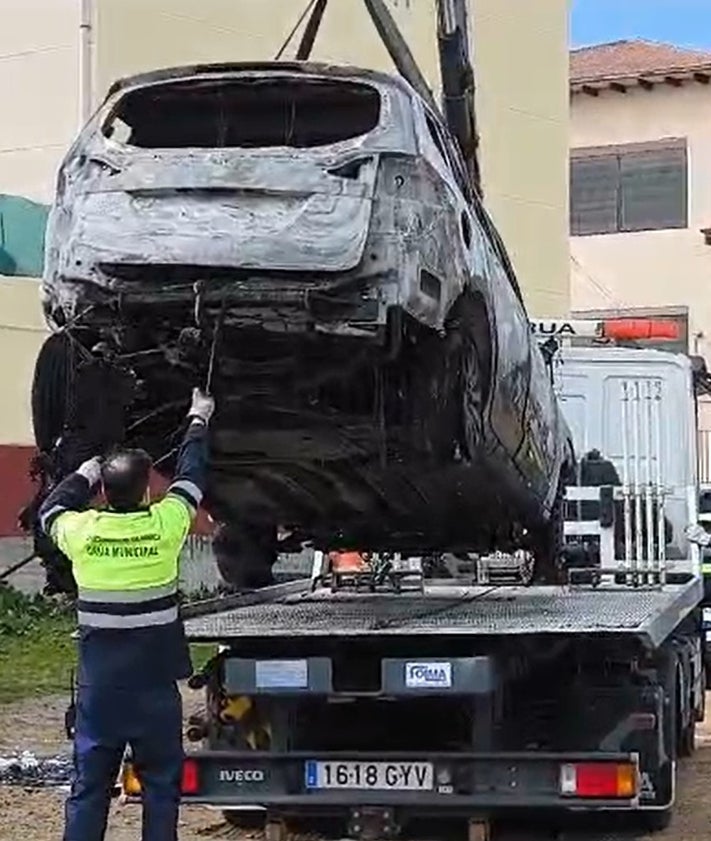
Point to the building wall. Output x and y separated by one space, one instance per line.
39 92
521 56
39 115
22 331
521 59
21 334
650 268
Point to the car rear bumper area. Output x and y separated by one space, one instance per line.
450 783
354 304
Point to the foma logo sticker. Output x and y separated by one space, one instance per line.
428 675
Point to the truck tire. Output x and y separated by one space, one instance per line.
686 736
245 818
701 712
659 819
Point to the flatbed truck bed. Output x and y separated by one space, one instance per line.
451 610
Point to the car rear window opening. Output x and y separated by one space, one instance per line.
244 113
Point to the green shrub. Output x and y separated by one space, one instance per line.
20 614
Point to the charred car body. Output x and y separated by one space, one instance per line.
308 233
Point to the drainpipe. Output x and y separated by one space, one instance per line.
86 61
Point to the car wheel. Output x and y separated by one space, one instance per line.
50 387
245 554
473 397
548 544
467 325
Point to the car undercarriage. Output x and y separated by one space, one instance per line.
335 439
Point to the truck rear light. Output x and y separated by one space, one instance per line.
599 779
190 782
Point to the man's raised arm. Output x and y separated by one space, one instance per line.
73 493
191 469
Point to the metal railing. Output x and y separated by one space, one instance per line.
639 558
643 490
704 456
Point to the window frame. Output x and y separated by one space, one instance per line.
618 152
442 141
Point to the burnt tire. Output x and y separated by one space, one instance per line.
468 322
449 382
245 554
50 390
52 383
548 544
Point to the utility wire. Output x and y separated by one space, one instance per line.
604 290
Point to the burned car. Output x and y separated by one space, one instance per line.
302 238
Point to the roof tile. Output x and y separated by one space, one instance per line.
630 59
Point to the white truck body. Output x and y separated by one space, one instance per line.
637 407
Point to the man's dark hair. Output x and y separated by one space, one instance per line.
125 474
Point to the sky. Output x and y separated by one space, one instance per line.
686 23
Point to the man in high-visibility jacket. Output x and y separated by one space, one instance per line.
132 646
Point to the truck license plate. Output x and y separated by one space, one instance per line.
396 776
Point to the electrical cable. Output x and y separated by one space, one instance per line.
604 290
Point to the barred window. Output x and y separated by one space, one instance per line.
633 188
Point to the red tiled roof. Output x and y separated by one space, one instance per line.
633 59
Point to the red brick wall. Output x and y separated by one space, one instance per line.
15 487
16 490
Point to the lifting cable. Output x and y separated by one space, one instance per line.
302 18
217 331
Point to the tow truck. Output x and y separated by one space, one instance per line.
407 688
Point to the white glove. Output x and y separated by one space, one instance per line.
202 407
91 470
698 534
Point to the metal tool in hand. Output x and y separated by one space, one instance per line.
213 349
210 367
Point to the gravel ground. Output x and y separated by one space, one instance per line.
37 815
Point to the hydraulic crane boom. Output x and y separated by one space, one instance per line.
458 90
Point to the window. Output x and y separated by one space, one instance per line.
244 112
448 155
628 188
433 129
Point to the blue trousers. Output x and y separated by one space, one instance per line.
150 721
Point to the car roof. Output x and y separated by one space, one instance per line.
187 71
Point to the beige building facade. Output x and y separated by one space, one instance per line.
58 57
640 190
641 181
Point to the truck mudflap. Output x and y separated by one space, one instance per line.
452 783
